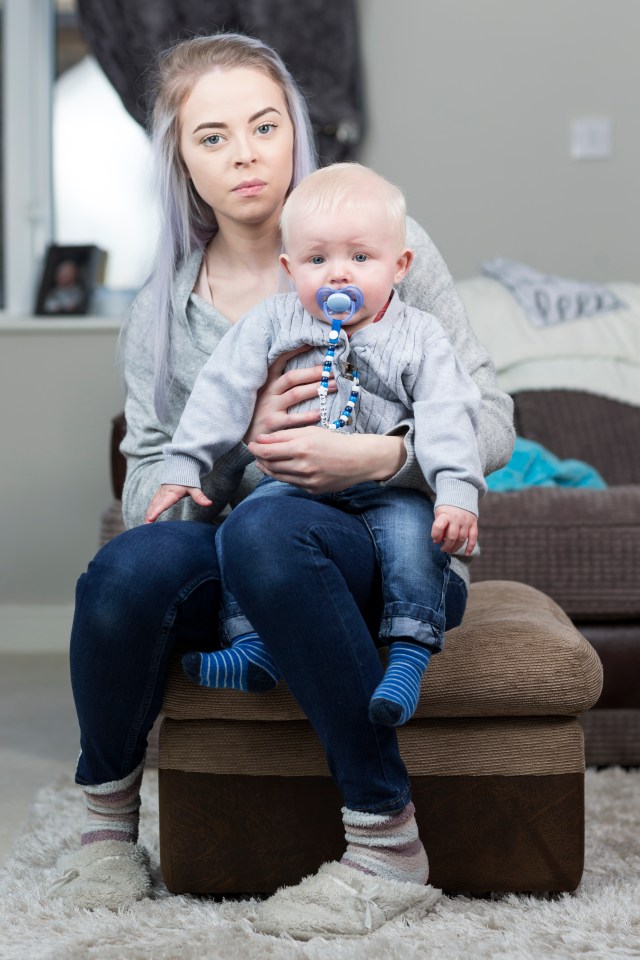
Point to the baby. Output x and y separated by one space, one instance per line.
343 229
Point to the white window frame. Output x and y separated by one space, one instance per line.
29 61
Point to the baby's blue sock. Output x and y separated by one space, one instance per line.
246 665
395 699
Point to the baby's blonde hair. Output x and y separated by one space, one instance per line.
342 187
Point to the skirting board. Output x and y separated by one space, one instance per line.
35 629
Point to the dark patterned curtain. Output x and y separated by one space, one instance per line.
317 39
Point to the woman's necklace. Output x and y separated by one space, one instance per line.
331 302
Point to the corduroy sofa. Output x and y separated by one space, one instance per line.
581 547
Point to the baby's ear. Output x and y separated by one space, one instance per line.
403 264
284 263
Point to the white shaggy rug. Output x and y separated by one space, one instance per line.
601 920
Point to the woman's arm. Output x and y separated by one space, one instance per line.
324 461
429 287
146 434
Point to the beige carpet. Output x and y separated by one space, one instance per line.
601 920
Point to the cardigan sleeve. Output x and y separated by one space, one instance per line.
147 434
430 287
219 410
446 404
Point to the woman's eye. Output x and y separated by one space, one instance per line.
317 260
213 140
265 128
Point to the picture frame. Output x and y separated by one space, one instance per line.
69 278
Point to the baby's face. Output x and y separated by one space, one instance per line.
357 248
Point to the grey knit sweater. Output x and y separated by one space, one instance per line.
197 329
406 366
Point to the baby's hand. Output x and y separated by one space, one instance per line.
170 493
452 527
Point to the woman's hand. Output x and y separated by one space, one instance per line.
324 461
282 391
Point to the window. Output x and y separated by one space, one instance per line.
64 178
26 154
103 190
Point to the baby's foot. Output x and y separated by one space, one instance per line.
246 665
395 699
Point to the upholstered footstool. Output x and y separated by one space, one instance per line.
495 754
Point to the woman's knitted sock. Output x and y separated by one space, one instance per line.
395 699
385 844
246 665
113 810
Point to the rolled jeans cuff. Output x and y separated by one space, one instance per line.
421 624
234 624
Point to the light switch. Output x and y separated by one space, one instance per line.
591 138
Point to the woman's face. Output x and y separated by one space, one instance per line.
236 141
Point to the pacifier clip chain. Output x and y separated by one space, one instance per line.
347 299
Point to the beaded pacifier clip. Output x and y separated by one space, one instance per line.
346 300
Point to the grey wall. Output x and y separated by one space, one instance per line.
469 105
58 392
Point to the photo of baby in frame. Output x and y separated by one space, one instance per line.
69 279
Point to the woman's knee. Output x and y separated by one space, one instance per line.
140 574
160 556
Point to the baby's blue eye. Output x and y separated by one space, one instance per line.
361 257
317 260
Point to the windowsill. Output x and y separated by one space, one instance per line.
62 324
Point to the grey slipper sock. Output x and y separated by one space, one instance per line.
113 809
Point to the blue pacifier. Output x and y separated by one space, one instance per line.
347 299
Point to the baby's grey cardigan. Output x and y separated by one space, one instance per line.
406 366
196 330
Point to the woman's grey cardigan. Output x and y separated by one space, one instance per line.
196 330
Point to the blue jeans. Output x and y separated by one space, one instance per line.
311 587
414 570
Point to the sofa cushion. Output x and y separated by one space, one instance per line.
581 547
515 654
582 426
476 747
618 647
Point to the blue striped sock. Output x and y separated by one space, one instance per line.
395 699
246 665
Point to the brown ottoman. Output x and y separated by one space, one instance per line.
495 754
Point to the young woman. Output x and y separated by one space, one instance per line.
232 138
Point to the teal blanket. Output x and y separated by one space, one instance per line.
532 465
